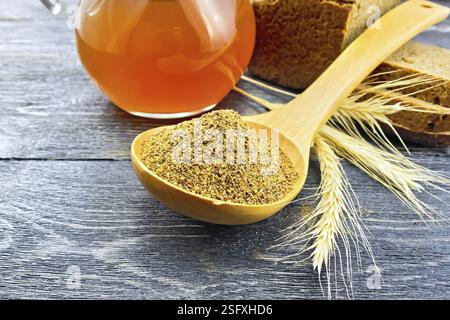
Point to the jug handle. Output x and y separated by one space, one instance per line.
54 6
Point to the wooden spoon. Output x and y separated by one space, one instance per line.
300 120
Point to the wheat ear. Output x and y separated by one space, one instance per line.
336 219
370 105
393 170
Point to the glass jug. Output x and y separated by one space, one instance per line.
165 58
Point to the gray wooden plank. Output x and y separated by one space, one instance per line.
57 216
94 215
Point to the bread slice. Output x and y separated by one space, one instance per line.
424 60
419 128
298 39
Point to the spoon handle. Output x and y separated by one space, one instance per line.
302 118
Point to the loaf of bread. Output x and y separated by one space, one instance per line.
298 39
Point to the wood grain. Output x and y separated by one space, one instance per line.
93 214
70 202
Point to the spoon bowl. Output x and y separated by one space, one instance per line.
299 121
208 209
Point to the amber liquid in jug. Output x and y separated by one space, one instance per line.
165 58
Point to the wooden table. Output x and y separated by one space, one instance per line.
76 223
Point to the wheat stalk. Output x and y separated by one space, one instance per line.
393 170
370 105
336 217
